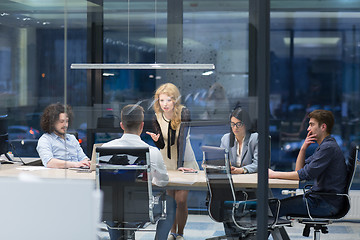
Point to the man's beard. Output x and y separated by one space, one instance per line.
59 133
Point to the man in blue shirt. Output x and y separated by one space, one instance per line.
56 148
327 167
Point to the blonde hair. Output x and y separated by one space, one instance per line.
172 91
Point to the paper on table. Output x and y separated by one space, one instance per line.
187 180
32 168
182 181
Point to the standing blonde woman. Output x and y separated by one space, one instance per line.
169 137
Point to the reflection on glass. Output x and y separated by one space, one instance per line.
312 67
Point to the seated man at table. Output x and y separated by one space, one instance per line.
132 122
56 148
327 167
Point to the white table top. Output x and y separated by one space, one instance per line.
176 178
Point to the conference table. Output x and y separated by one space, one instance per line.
197 181
177 179
19 170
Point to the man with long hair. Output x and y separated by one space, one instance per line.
56 148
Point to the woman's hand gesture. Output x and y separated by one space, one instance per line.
154 136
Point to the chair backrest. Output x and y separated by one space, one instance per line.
93 156
128 194
219 181
223 203
351 169
200 133
351 164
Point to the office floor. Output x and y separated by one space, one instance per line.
200 227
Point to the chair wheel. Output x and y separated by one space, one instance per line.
324 230
306 231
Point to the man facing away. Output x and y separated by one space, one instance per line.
56 148
132 122
327 167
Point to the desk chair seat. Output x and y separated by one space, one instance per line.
129 200
320 223
226 206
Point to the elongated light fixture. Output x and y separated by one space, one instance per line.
141 66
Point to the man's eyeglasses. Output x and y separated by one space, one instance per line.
238 124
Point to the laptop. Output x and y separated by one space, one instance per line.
92 160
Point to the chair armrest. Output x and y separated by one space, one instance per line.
307 188
325 194
307 193
245 212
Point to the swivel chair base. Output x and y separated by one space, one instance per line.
319 226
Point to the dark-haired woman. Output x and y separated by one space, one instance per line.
241 143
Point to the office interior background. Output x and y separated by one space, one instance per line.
314 64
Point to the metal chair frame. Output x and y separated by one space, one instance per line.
320 223
236 205
152 200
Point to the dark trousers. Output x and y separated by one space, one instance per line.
294 206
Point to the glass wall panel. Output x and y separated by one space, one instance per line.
38 40
140 33
182 32
314 65
35 38
31 52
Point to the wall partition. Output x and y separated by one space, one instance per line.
37 41
314 54
33 40
217 53
200 47
41 41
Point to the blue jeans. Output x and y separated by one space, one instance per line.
162 228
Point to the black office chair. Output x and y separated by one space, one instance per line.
129 200
320 223
226 205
